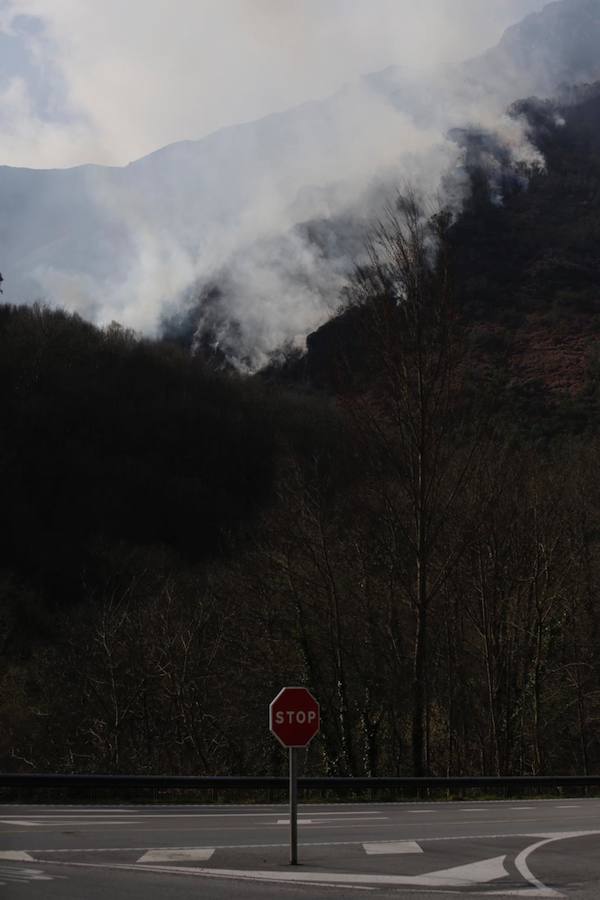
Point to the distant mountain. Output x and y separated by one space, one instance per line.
561 44
140 244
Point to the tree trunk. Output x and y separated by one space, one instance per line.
419 694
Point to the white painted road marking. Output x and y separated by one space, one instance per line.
200 854
421 840
329 821
184 870
21 876
18 822
300 822
389 848
16 856
86 821
87 817
470 875
132 817
44 820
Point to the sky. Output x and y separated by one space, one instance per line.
107 81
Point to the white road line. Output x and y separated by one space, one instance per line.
23 809
329 821
62 822
55 817
521 807
531 823
23 875
420 812
567 807
391 848
22 879
200 854
134 818
15 856
18 822
420 840
523 869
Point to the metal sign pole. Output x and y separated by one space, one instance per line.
294 719
293 806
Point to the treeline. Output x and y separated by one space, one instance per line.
411 527
405 551
106 438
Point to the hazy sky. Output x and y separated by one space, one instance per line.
109 81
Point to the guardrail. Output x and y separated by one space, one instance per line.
252 783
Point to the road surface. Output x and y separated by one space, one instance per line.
544 848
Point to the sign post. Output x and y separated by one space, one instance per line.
294 719
293 806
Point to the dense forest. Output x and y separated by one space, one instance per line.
405 518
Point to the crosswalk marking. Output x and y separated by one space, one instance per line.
199 854
389 848
300 822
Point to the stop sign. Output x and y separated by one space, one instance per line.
294 717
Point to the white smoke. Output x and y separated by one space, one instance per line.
133 244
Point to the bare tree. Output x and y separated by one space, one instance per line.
422 442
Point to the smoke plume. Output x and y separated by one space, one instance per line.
247 236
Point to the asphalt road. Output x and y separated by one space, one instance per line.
545 848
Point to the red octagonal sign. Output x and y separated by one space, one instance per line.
294 717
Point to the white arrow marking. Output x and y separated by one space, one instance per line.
392 847
199 855
16 855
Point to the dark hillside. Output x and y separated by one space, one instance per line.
109 439
526 271
416 536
